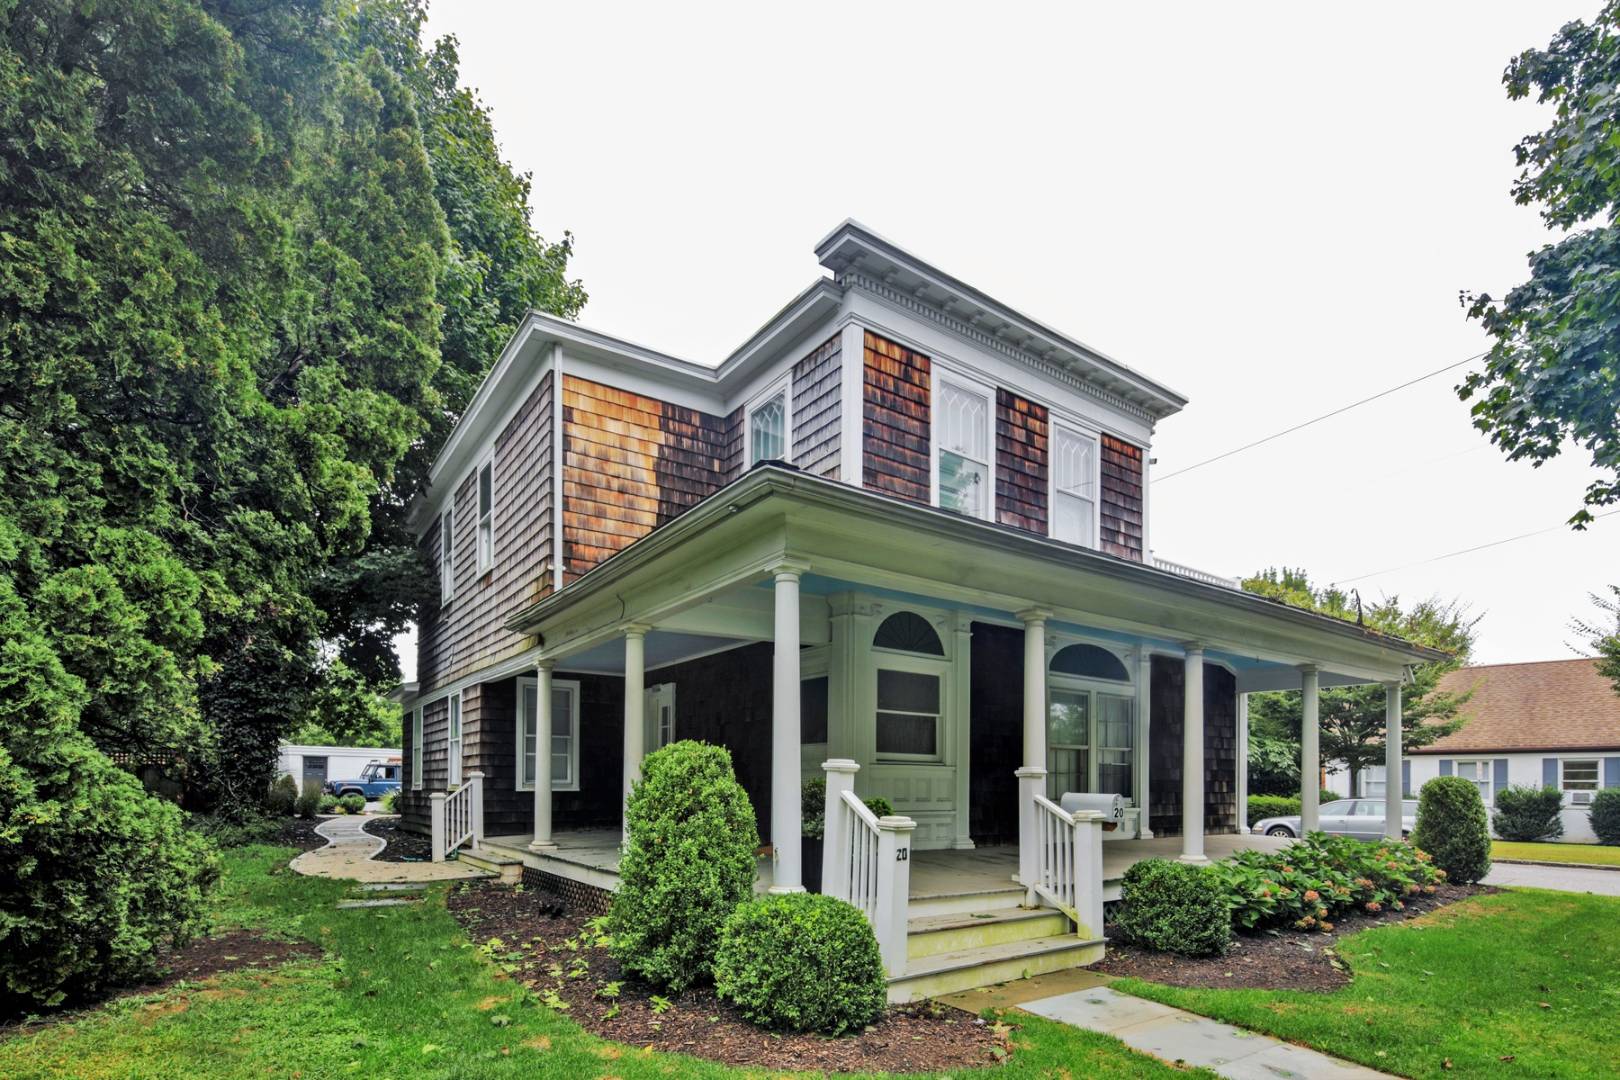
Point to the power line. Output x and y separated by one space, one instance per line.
1467 551
1317 420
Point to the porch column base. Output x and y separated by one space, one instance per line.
1031 782
963 843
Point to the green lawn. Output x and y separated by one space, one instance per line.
1521 983
399 996
1575 853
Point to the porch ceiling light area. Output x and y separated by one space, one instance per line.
663 648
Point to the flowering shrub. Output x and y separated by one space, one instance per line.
1310 883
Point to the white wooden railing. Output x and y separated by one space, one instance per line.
1183 570
866 861
458 817
1067 863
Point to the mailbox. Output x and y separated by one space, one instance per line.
1112 807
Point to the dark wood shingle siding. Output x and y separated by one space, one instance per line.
1164 751
630 463
435 763
817 407
1120 531
895 420
467 633
1022 432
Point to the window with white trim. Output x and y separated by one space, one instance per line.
416 749
1074 487
910 691
1479 772
1373 783
1578 779
564 729
447 554
486 516
1090 723
962 448
454 777
768 428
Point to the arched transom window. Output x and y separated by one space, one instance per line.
910 691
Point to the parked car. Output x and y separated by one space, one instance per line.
1361 818
375 780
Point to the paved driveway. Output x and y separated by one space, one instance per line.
1562 878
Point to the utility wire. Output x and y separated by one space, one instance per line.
1317 420
1467 551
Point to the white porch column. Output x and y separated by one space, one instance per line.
1144 736
542 758
1392 761
1192 756
635 708
1243 762
962 727
785 799
1310 754
1032 777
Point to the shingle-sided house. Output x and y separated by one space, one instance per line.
899 538
1554 723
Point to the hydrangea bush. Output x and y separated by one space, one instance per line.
1310 883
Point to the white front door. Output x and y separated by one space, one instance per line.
660 716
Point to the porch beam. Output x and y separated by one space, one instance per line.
635 710
1032 777
1392 761
785 730
1310 755
542 840
1192 756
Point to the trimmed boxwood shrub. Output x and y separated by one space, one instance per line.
1606 816
802 962
353 804
1453 828
326 804
283 796
1528 813
688 863
1173 907
1264 806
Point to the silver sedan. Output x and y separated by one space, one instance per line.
1361 818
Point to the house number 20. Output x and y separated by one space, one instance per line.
902 855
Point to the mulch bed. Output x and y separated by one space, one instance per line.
1284 959
532 930
299 833
202 959
402 846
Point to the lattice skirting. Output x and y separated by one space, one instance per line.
580 897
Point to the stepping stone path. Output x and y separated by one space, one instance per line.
387 901
351 853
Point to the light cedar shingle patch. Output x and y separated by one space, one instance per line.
1552 705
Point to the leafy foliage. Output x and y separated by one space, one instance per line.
312 802
1352 717
688 863
1606 816
1602 637
1452 826
1273 765
1552 376
1528 813
283 796
813 807
1268 806
1173 907
352 804
801 961
1313 881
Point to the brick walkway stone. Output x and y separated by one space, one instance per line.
350 854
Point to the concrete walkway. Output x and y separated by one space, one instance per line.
350 853
1561 878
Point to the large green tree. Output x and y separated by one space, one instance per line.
1551 379
1602 635
1352 717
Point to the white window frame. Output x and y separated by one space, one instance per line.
1096 689
912 664
783 388
416 748
486 518
571 686
1489 765
1094 435
966 384
1568 793
447 553
454 743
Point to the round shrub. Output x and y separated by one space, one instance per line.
688 863
1528 813
1452 827
325 804
353 804
1606 816
802 962
1173 907
283 796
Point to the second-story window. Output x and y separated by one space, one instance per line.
1074 487
486 516
962 448
447 557
767 430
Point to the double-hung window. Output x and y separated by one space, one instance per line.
911 670
1090 723
1578 780
486 516
447 554
962 448
768 429
564 726
416 749
1479 773
1074 487
454 776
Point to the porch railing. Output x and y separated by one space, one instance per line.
1068 863
1183 570
866 861
458 817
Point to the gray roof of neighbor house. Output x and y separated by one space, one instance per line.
1548 705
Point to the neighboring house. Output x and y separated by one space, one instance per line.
1554 723
902 526
323 763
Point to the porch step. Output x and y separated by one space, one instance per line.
505 867
932 935
949 972
965 903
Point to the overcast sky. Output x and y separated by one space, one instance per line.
1270 208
